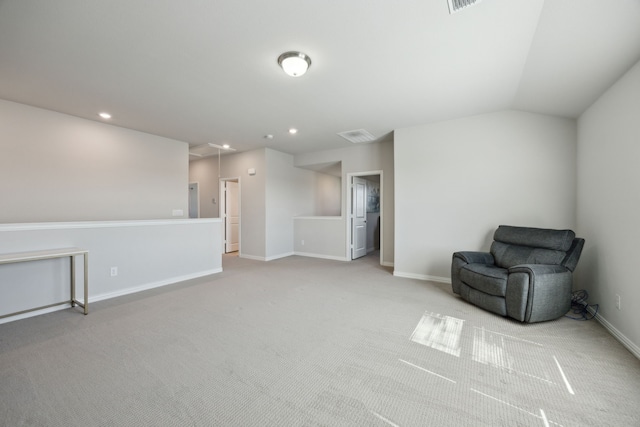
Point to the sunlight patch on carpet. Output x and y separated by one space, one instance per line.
439 332
490 349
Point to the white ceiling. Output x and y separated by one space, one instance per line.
205 71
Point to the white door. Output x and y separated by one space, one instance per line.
358 218
232 216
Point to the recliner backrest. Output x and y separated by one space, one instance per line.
526 245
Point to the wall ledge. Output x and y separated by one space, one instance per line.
334 218
101 224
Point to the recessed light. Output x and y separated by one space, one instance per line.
105 115
293 131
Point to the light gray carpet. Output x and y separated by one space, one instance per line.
309 342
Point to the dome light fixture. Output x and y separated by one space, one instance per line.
294 63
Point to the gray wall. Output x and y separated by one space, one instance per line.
252 194
376 156
252 199
205 173
280 204
328 195
281 191
147 254
609 205
56 167
457 180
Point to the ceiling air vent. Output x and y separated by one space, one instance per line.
357 136
458 5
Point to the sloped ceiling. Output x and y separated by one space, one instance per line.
205 71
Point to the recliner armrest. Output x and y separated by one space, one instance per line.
538 269
471 257
460 259
538 292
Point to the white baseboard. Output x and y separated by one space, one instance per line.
262 258
311 255
37 313
153 285
423 277
123 292
387 264
626 342
632 347
271 258
253 257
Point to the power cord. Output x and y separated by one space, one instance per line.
580 306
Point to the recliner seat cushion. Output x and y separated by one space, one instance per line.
489 279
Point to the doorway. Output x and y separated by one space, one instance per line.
365 224
194 200
230 213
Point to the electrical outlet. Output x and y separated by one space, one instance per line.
114 271
618 301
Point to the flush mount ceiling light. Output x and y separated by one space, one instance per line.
294 63
104 115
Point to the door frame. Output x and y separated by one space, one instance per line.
349 214
222 206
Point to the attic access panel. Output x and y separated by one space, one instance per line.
458 5
357 136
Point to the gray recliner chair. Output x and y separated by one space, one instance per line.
527 275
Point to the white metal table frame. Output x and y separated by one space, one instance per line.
50 254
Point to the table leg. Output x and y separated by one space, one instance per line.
86 283
73 280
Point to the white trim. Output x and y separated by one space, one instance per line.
101 224
330 257
253 257
271 258
626 342
305 254
38 313
93 299
387 264
423 277
154 285
222 203
349 182
633 348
